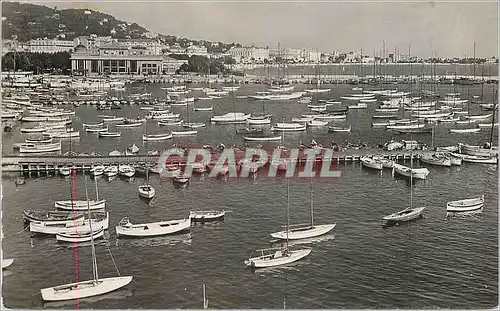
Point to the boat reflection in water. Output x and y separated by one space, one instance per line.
155 241
323 238
116 295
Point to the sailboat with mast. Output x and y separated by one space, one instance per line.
82 289
146 190
271 257
304 231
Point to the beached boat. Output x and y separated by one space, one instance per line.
205 216
127 229
466 205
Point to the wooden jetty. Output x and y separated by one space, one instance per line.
48 163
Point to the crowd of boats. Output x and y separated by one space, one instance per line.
79 221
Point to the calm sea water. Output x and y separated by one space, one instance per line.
431 263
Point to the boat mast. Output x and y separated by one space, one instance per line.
312 206
493 117
287 210
94 258
96 190
411 140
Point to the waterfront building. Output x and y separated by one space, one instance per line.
121 59
48 46
249 54
197 50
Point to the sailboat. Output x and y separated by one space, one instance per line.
271 257
304 231
82 205
146 190
82 289
410 212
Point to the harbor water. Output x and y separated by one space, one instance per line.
434 262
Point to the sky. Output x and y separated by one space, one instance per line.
447 29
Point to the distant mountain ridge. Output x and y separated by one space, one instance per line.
31 21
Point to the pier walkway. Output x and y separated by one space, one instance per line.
83 163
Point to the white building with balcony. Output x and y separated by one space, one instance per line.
249 54
197 50
49 46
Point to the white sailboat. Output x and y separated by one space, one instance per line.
304 231
410 212
271 257
146 190
82 289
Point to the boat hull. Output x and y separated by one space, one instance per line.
84 289
404 215
311 232
154 229
268 261
7 263
80 205
73 238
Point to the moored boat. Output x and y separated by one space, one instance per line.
466 205
127 229
79 237
372 163
205 216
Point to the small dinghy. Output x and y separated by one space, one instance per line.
155 137
372 163
109 134
127 229
111 171
51 216
339 129
248 131
97 170
466 205
271 257
80 205
405 215
419 173
204 216
6 262
147 191
79 237
65 171
126 170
